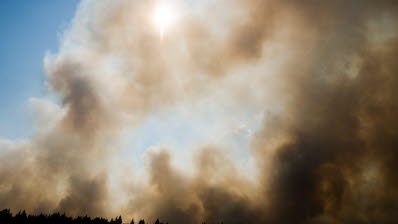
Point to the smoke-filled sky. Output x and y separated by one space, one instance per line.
255 111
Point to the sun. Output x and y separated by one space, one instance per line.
163 18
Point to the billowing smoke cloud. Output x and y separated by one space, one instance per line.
322 74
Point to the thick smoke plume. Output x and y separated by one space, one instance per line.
323 74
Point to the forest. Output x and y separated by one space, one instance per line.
6 217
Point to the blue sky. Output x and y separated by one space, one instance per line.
27 30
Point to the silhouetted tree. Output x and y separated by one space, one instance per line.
118 220
6 217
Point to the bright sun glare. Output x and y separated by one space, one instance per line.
163 18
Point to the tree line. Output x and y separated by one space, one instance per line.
6 217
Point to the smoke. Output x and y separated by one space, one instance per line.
321 74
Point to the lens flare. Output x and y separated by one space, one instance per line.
163 18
